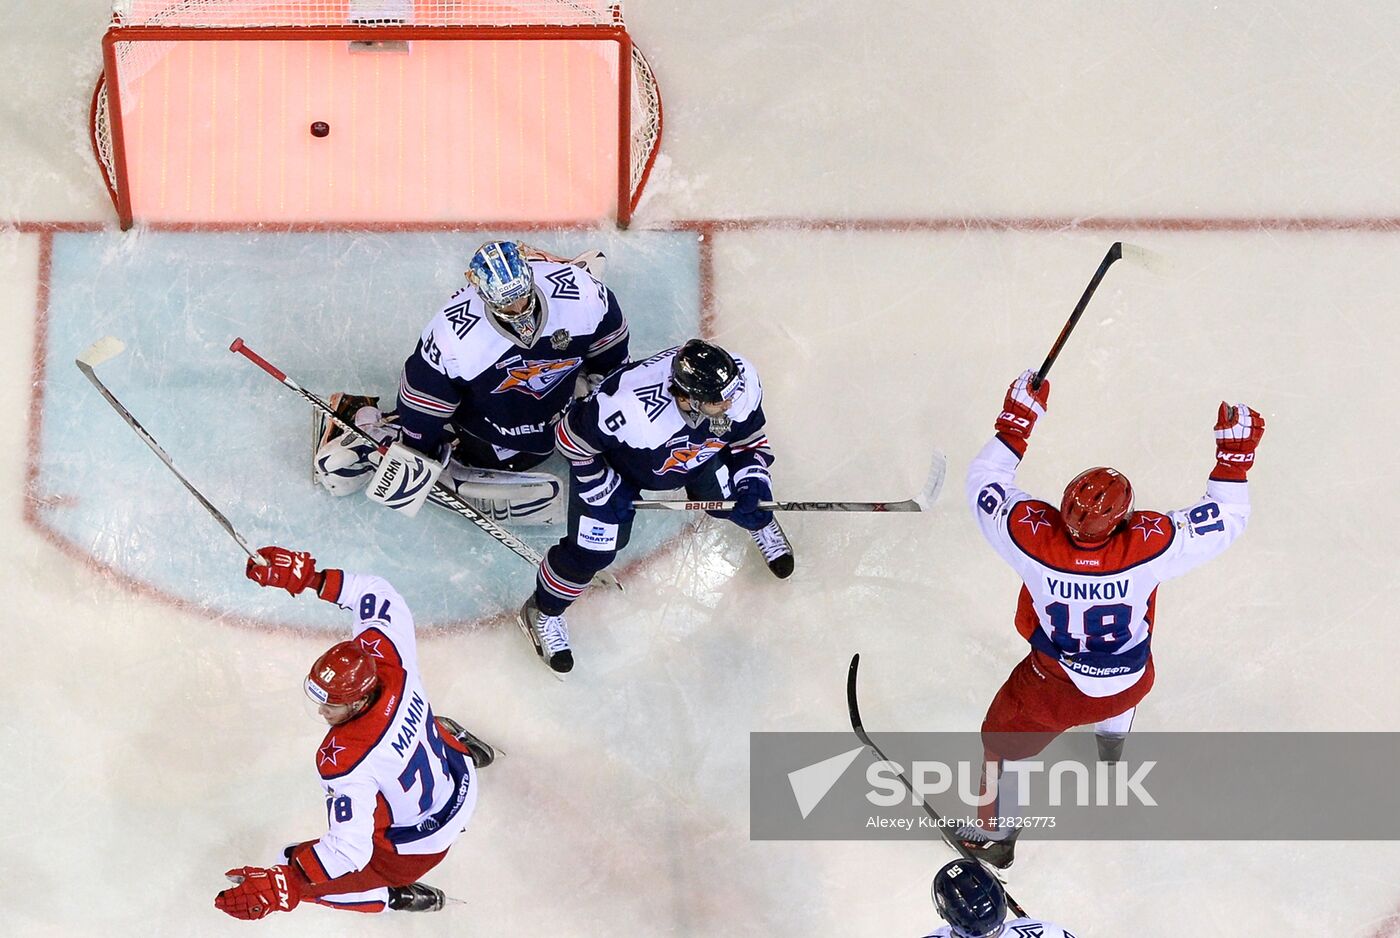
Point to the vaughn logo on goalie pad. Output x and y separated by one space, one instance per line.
403 480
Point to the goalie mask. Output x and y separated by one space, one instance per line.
507 285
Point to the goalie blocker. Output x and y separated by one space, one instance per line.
404 479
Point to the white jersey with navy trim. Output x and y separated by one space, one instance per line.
1017 928
387 773
633 421
1092 609
470 370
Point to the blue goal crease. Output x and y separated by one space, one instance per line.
336 310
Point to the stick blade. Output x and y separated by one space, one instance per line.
933 485
100 351
1141 256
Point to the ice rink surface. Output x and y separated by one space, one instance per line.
890 209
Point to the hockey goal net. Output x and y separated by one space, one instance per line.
386 112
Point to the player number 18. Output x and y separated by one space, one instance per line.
1106 628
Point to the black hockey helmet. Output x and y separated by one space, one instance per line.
970 899
705 373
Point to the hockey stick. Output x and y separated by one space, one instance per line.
441 495
938 822
933 485
1118 251
110 347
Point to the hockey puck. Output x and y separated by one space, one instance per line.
320 129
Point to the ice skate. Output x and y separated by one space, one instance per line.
991 848
481 752
777 549
416 897
1110 747
550 635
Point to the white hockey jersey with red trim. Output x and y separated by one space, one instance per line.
1092 609
391 779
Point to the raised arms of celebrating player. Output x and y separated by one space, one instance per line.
1199 531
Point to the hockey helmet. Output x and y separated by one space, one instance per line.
503 277
970 899
705 373
1096 502
344 674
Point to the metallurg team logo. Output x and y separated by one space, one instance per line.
652 399
536 378
563 285
685 458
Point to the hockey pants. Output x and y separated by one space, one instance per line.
1038 702
368 889
597 534
477 453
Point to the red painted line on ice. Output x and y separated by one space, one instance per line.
35 502
1389 928
706 231
709 226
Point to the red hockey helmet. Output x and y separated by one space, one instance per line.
343 675
1096 501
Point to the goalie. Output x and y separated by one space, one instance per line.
491 376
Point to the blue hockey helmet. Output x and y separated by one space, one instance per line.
503 278
970 899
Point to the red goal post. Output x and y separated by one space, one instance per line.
435 111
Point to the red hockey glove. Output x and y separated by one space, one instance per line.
1238 430
259 892
1020 411
290 570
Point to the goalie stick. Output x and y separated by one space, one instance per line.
938 822
110 347
923 501
441 495
1117 251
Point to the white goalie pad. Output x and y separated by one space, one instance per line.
403 480
525 498
342 463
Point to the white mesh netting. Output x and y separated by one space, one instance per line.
135 58
338 12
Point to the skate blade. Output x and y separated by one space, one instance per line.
530 634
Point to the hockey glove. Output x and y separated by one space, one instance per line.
1020 411
259 892
599 487
747 494
1238 430
290 570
